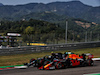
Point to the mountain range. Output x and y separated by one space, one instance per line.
54 11
1 4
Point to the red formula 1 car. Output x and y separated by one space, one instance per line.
67 60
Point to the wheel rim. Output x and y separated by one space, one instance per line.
58 65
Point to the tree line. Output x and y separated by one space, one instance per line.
42 31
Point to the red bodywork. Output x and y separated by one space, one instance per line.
71 60
75 62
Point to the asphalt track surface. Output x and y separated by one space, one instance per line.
68 71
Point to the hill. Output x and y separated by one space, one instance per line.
74 9
1 4
46 16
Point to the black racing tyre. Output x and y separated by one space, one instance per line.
32 60
26 64
90 62
84 64
58 65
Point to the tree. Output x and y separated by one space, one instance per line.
29 31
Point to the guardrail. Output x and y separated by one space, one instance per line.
32 49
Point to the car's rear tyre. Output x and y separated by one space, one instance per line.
90 62
84 64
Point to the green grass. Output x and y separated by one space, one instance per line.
23 58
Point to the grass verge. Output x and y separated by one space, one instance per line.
23 58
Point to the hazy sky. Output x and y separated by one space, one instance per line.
16 2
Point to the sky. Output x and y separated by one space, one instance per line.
18 2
